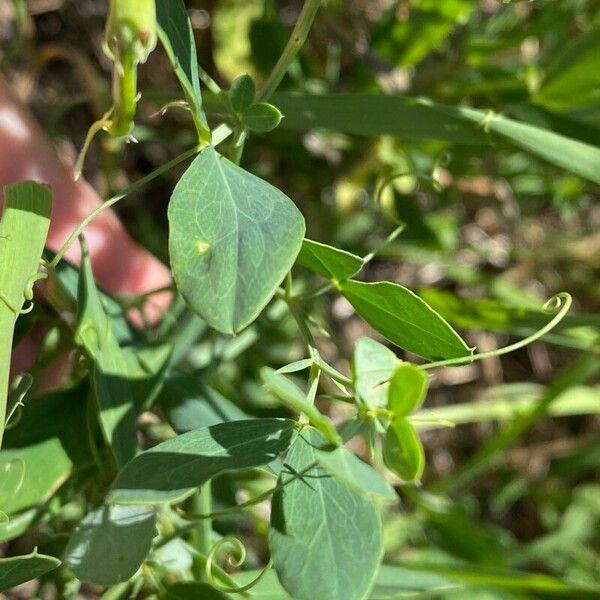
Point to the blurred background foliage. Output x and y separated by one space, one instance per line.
491 232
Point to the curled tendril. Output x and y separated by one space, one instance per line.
182 104
560 303
236 558
27 293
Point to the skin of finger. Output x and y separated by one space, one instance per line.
120 265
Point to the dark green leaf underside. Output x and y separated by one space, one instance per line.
170 471
19 569
110 543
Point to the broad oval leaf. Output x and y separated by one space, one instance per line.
232 239
242 92
326 540
407 389
110 543
19 569
372 366
172 470
403 451
329 261
404 319
261 117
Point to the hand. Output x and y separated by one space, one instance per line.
120 265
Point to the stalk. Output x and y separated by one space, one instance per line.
295 43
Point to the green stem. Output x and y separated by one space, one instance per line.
208 81
295 43
202 537
124 95
136 185
238 147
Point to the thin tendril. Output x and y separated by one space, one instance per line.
389 180
560 302
388 240
235 559
182 104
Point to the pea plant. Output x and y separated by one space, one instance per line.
145 480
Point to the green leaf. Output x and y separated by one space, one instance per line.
261 117
407 390
12 474
399 582
50 441
17 525
402 450
293 397
326 539
417 119
355 473
242 93
177 37
405 42
191 404
110 543
192 458
19 569
431 581
404 319
328 261
536 584
369 114
233 237
372 366
297 365
392 582
23 230
126 380
571 155
192 590
572 79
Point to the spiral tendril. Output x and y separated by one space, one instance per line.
560 302
236 558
